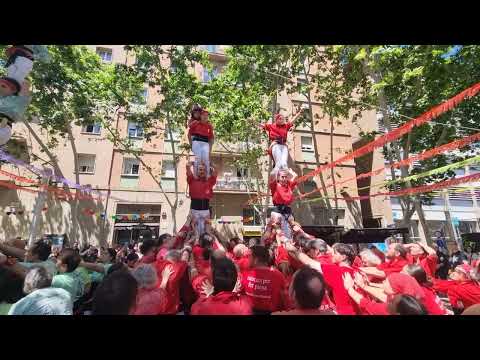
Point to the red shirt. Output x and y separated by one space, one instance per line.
393 266
151 302
201 189
197 252
243 263
428 263
324 259
173 285
467 292
371 307
333 274
223 303
277 131
265 287
282 194
432 302
201 128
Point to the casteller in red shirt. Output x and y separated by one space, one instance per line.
427 262
466 292
395 265
201 128
201 188
282 194
277 132
173 285
223 303
333 275
265 287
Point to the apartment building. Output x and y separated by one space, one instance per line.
132 205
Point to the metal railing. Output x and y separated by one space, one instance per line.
234 184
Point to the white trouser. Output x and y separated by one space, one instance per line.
280 156
5 134
201 150
199 216
20 69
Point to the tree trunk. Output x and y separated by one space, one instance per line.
74 203
173 207
331 215
332 172
37 213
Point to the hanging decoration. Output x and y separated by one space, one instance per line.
439 170
410 191
457 144
400 131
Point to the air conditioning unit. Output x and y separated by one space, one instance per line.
307 147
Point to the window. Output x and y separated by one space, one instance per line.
307 144
86 163
135 130
474 170
251 217
309 185
175 134
242 173
209 75
211 48
91 129
460 172
168 169
131 167
105 54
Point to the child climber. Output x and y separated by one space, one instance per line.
201 137
14 92
277 134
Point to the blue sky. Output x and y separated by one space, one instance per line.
453 51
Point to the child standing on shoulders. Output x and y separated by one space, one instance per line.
201 137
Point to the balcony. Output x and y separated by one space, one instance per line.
234 184
229 148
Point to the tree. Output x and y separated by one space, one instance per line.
170 70
75 87
405 81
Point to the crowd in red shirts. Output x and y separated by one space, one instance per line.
207 274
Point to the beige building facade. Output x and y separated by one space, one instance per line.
132 205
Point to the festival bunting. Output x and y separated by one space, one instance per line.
400 131
410 191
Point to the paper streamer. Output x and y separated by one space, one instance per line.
411 191
399 132
47 173
456 144
439 170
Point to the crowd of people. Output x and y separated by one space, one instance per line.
204 274
198 272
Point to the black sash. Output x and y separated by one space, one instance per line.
199 138
200 204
